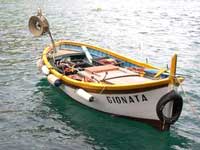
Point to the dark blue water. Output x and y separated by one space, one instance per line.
37 116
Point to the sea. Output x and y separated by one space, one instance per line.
37 116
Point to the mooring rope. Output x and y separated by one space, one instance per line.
102 90
188 98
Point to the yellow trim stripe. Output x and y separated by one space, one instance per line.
97 86
173 68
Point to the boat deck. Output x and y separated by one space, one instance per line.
104 70
112 75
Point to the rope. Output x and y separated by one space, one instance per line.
188 98
102 89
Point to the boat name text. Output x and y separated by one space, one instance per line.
126 99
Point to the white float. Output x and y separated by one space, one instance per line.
85 95
54 80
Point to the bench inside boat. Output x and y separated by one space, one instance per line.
75 65
112 74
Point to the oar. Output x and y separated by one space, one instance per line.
160 72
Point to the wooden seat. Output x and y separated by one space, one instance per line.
127 80
103 68
66 52
112 75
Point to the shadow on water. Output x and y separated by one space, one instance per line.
106 131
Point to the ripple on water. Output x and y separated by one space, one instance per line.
34 115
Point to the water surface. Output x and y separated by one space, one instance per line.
37 116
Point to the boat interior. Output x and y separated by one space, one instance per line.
85 65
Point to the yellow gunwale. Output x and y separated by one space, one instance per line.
99 86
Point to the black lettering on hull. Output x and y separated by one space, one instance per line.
136 97
109 99
144 98
126 100
131 100
118 100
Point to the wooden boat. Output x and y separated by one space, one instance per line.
109 82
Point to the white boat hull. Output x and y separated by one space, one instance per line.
140 105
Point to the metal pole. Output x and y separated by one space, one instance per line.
52 41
